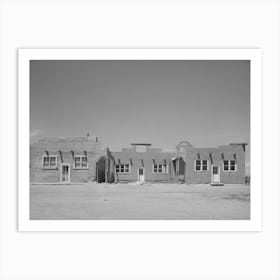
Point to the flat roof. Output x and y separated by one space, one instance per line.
141 144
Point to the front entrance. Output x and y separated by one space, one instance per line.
181 170
216 174
65 173
141 174
101 170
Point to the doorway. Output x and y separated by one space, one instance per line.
100 170
65 173
141 174
216 174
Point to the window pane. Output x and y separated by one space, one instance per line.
197 167
198 162
45 161
155 167
225 162
127 168
225 167
52 161
77 162
232 162
232 168
205 165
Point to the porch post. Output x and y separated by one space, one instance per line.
106 170
96 172
177 169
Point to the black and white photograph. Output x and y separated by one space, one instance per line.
140 140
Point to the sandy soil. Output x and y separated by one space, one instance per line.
139 202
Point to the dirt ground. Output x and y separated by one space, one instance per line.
93 201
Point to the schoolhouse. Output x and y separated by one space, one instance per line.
73 160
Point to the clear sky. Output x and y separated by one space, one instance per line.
159 102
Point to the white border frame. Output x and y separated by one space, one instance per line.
254 55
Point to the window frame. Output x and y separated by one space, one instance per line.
201 165
119 167
229 165
49 167
81 161
162 169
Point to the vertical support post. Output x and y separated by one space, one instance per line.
177 169
96 172
169 170
106 170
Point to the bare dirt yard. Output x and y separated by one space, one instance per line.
93 201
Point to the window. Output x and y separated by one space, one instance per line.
122 168
50 162
160 168
80 162
201 165
230 165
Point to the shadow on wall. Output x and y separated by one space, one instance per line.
105 170
100 170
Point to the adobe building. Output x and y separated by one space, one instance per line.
70 160
141 162
64 160
221 165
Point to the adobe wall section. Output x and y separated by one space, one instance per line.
215 156
65 149
144 160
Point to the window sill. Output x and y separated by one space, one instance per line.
49 168
80 168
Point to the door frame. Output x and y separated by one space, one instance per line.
61 166
138 176
219 173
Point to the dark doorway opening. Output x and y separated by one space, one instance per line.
181 167
100 170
